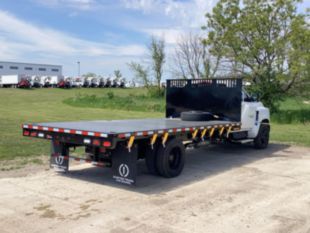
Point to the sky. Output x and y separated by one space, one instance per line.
104 35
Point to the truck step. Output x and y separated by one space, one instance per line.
244 141
239 135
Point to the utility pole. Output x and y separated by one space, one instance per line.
79 68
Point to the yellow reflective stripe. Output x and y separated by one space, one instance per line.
222 131
195 133
228 131
211 132
165 137
130 141
153 139
203 133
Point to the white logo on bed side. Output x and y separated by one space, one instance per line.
123 170
59 160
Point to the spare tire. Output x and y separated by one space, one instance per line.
196 116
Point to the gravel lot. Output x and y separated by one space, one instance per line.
222 189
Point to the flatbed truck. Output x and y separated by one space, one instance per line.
198 112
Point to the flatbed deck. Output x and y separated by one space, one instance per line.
117 127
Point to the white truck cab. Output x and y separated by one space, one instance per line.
255 118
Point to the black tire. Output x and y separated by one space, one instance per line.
150 159
262 139
196 116
171 158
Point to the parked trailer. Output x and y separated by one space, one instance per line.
10 80
56 79
51 81
161 142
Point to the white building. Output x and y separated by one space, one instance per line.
29 69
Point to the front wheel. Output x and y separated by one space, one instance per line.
262 139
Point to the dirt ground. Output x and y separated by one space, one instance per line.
222 189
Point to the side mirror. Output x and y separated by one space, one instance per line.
252 98
255 97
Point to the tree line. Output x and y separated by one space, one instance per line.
265 42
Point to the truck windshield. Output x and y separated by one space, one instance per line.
246 97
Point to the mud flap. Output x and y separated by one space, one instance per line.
59 156
124 164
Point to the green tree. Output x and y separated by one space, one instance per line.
156 61
140 73
157 54
118 75
265 41
192 60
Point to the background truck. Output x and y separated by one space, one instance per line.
25 82
37 81
77 82
10 80
198 112
51 81
65 82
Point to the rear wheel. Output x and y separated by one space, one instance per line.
262 139
171 158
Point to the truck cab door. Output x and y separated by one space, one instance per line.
248 111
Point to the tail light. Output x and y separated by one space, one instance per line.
106 144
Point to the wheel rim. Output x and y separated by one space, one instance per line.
174 158
264 138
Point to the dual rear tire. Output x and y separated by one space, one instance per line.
166 161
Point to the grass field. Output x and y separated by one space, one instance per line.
292 110
292 123
20 106
136 101
41 105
